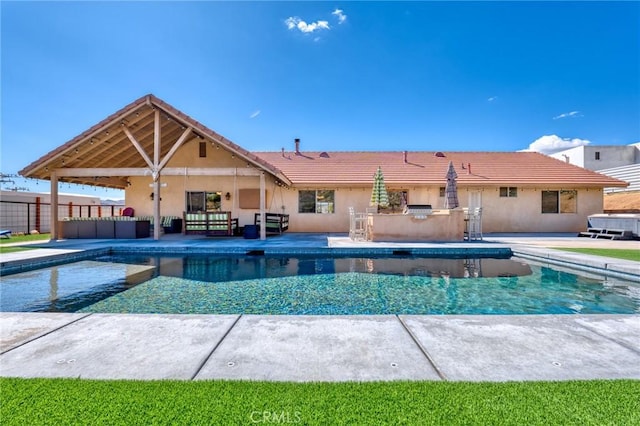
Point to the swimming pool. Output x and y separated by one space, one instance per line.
313 285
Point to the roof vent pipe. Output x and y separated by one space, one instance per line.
404 156
297 141
283 151
468 168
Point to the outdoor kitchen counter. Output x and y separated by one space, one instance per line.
440 225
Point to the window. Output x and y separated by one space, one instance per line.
203 149
565 201
597 155
201 201
397 202
442 189
320 201
508 191
568 201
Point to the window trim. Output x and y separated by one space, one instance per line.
331 204
206 194
403 196
509 192
560 205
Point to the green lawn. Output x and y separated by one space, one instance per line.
6 248
74 401
627 254
24 239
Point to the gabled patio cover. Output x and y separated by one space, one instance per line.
139 140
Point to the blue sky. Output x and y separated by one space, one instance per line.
477 76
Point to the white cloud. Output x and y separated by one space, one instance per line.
571 114
255 114
549 144
294 23
338 13
493 98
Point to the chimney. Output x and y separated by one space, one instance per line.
468 168
297 140
404 156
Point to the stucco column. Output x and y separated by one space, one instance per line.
263 227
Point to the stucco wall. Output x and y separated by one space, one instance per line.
524 212
500 214
173 203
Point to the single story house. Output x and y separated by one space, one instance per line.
168 164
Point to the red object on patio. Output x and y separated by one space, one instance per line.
128 211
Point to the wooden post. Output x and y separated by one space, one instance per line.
38 214
263 223
156 177
54 206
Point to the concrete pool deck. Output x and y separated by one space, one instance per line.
327 348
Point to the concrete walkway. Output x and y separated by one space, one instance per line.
317 348
324 348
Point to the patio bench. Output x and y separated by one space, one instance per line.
210 224
275 223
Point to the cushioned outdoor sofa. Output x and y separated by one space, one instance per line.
104 227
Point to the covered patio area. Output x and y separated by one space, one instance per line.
148 146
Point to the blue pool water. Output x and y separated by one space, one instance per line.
306 285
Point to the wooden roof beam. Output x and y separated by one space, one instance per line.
137 146
167 171
175 147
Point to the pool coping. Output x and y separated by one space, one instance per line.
57 252
325 348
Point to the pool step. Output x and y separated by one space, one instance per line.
610 234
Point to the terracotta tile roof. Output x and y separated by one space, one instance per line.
427 168
105 145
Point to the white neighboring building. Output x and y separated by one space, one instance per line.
617 161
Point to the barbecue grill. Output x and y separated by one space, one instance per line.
418 211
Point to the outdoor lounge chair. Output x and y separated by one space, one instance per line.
5 233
